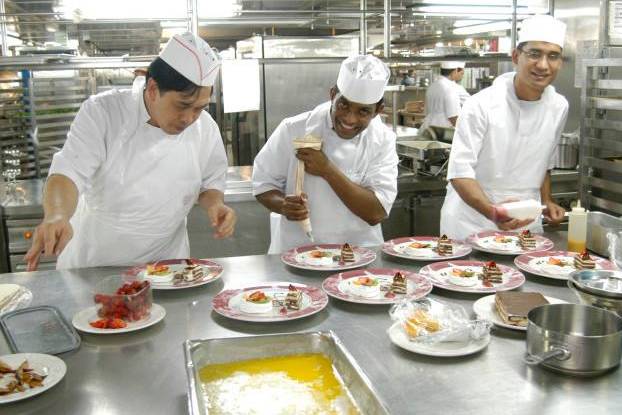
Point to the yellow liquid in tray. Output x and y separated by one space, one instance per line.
576 246
296 384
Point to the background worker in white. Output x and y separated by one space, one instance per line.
134 163
506 136
352 182
442 98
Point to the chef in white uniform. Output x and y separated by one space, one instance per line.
506 136
352 182
134 163
443 97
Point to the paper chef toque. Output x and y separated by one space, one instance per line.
542 28
452 65
192 57
362 79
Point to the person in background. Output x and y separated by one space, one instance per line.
351 182
506 136
408 79
443 97
134 163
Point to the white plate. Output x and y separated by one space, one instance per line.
485 309
441 349
81 321
54 367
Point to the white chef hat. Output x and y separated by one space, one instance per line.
362 79
542 28
452 65
192 57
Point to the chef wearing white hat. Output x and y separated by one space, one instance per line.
351 182
444 96
506 136
134 163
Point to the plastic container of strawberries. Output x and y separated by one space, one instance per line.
125 297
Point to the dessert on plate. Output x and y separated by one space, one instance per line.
491 273
584 261
463 277
444 246
364 286
347 254
293 299
526 240
319 258
191 272
513 306
398 286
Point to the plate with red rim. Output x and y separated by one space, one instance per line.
401 247
539 263
506 243
82 319
211 272
342 286
228 302
439 273
301 257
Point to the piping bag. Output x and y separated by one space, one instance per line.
315 143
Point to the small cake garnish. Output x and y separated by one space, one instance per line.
347 254
526 240
584 261
491 273
444 246
293 300
398 286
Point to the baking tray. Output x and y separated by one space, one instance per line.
199 353
40 329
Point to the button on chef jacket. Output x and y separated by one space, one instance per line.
136 183
369 160
507 145
442 102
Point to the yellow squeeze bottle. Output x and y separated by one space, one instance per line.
577 228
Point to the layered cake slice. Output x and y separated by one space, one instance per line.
526 240
444 246
491 272
193 272
398 286
584 261
293 299
513 306
347 254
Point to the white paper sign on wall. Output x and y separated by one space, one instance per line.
240 85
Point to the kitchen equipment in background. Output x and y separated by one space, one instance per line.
426 157
567 151
599 225
574 339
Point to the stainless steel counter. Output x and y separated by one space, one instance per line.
143 372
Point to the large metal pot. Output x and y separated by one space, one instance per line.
612 304
574 339
567 152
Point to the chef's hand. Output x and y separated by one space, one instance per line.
553 213
316 162
50 238
223 219
295 207
504 222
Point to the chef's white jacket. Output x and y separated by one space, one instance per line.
136 183
369 160
507 145
442 102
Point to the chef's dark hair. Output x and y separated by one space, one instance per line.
446 72
378 104
168 79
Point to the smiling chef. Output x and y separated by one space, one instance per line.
506 137
134 163
351 182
